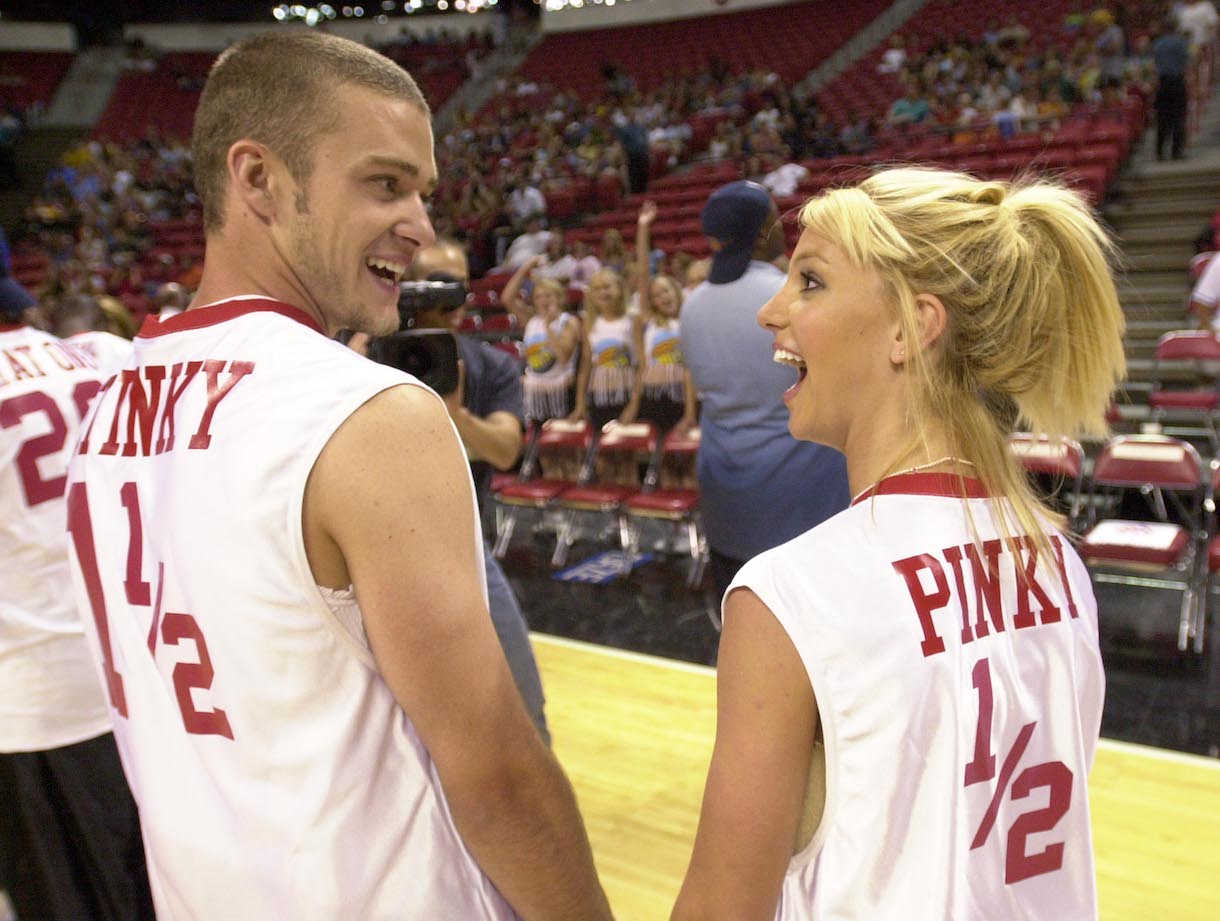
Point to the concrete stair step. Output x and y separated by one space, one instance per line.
1154 210
1139 291
1162 232
1199 175
1159 260
1143 326
1139 277
1167 311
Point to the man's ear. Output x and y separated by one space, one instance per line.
930 319
253 179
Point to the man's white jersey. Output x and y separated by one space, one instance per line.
276 775
49 693
959 691
108 351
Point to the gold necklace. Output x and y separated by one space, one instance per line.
940 460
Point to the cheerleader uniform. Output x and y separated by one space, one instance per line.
548 382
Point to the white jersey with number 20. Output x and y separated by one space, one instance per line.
49 692
959 705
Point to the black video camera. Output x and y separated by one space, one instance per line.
428 354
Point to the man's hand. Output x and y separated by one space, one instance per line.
648 214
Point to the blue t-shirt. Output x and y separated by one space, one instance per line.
759 486
1171 54
493 384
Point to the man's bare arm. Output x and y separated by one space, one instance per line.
389 505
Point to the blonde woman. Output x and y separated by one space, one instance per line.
551 339
613 254
910 693
608 361
664 393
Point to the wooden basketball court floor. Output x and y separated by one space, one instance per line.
635 735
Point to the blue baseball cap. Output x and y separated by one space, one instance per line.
734 216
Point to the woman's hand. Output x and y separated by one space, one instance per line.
648 214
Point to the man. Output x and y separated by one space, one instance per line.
1171 55
759 486
1206 294
533 242
277 544
487 408
79 320
69 833
524 201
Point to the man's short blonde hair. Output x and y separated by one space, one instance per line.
278 88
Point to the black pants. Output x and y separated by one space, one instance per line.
70 847
1170 116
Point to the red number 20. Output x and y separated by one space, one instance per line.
36 488
175 627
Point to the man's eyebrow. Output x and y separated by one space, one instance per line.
404 166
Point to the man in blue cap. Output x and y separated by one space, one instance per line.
759 486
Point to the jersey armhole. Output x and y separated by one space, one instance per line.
295 524
756 577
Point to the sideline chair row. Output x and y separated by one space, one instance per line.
1147 513
584 475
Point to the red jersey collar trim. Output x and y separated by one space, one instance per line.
11 327
944 485
221 312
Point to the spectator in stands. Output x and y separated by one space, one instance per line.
10 132
856 137
170 299
895 57
525 201
613 254
1206 295
1014 35
1075 19
910 109
585 264
759 486
1199 21
696 274
552 342
487 409
1111 47
1171 55
81 321
663 393
533 242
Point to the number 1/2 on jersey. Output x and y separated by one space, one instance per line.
1054 775
174 626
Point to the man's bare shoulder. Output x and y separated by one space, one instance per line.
407 417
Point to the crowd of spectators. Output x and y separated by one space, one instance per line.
1001 80
93 222
501 168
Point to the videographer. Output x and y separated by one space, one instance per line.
487 408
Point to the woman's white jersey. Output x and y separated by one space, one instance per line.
49 693
275 773
959 692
